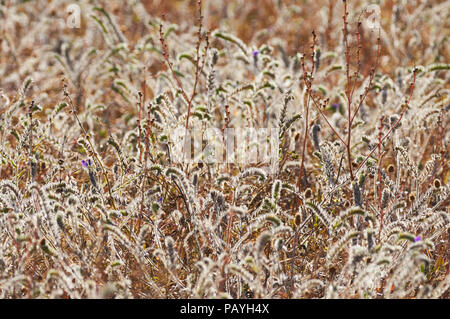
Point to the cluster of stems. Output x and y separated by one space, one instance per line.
353 106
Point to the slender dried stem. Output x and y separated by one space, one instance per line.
308 82
139 126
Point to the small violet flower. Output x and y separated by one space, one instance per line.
86 164
255 58
160 200
418 238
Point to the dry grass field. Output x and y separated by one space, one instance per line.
99 199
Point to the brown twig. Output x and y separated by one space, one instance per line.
30 155
379 187
350 89
139 126
308 83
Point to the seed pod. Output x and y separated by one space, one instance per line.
276 189
262 241
170 250
297 220
315 134
317 59
357 194
45 248
394 118
437 183
308 193
92 179
384 95
385 197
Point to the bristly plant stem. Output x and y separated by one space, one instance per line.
197 61
379 187
308 82
350 88
169 64
139 126
30 114
30 156
148 133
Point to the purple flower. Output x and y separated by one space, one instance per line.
335 106
255 53
86 164
418 238
160 200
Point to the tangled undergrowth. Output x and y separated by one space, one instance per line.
93 205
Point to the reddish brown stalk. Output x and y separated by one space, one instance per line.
358 58
380 135
30 114
348 90
299 183
347 51
30 154
197 61
225 122
139 126
308 83
229 234
229 228
148 133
